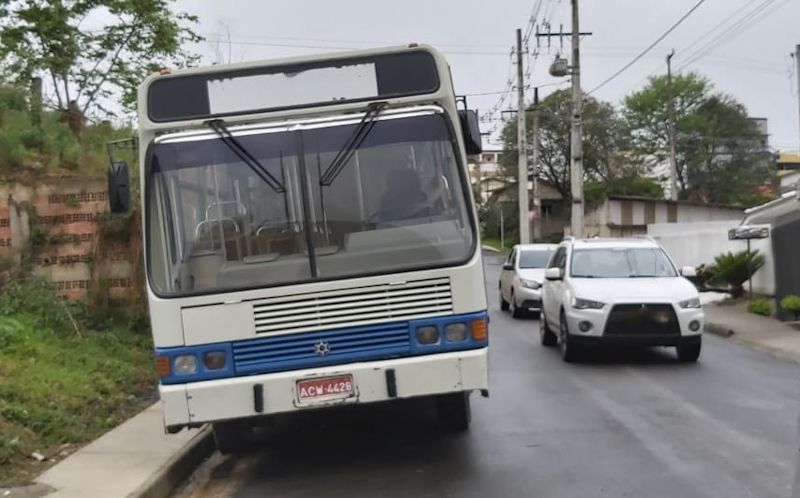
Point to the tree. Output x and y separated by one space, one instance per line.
602 141
719 153
84 68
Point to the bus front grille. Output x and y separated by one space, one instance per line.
311 349
353 307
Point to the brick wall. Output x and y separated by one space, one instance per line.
68 210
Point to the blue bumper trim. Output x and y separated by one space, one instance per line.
324 348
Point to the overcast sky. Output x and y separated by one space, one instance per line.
743 46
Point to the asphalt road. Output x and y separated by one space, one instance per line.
630 424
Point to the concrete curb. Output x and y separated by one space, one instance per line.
716 329
179 468
490 248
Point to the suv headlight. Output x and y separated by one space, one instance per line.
586 304
691 303
530 284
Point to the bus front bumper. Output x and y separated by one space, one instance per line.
241 397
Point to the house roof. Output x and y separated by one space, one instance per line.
668 201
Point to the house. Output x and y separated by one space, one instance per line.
625 216
788 174
783 218
485 172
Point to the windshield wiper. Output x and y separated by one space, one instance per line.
363 128
237 148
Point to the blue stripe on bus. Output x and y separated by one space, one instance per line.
297 351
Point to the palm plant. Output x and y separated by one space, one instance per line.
735 269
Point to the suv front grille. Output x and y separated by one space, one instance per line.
642 319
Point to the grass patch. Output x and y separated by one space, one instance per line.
60 388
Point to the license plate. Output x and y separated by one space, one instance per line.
325 388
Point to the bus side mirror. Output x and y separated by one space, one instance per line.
471 131
119 187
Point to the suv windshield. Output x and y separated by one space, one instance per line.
534 258
396 203
621 262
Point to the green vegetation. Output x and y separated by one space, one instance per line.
90 66
791 303
62 381
735 269
720 157
29 148
760 306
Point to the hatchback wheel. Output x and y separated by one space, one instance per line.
516 311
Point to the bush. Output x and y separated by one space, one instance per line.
791 303
760 306
735 269
37 297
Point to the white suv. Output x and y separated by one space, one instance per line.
623 292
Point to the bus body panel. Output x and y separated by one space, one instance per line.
234 397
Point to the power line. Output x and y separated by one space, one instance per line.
339 47
744 23
635 59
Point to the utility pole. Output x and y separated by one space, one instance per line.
576 139
673 162
522 150
537 212
797 62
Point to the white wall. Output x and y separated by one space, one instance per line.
693 244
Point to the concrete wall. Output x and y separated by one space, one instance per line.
67 209
693 244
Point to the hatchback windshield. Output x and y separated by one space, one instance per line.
215 222
621 263
534 258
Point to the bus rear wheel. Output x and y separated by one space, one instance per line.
453 411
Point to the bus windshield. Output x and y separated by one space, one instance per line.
215 223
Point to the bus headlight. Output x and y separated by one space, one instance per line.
456 332
214 360
185 364
428 334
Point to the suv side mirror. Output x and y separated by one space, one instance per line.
553 274
508 266
471 131
119 187
688 271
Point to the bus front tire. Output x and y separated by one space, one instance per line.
232 437
454 411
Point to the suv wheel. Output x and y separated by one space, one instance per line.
689 352
516 311
569 352
503 302
546 336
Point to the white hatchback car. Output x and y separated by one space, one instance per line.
522 277
622 292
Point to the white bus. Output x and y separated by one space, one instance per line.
310 238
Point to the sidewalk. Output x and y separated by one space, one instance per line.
759 332
133 460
